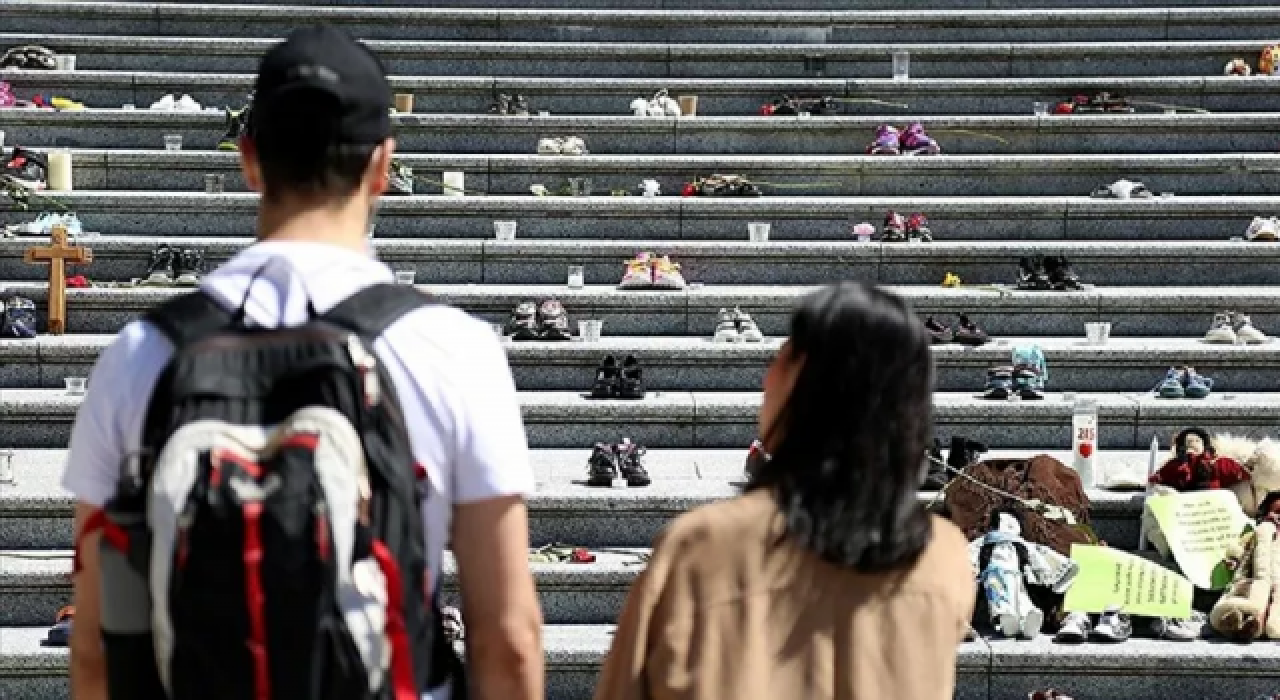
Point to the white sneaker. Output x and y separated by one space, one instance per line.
726 328
670 107
1262 229
747 328
1222 331
1245 331
186 104
573 146
550 147
640 107
165 104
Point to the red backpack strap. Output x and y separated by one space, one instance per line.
112 533
402 681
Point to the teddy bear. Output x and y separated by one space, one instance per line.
1247 609
1261 459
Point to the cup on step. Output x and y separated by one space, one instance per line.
173 142
577 277
404 102
590 331
504 230
214 183
6 467
64 61
758 231
688 105
76 386
407 277
1097 333
455 184
901 66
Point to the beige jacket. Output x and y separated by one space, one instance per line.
727 611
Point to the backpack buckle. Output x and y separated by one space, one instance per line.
367 365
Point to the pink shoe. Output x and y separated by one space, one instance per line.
917 143
887 143
6 95
639 272
666 274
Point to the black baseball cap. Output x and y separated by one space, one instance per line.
321 86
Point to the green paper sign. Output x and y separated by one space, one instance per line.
1199 527
1110 577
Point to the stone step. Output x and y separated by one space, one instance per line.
807 175
1140 669
676 25
698 364
1133 311
36 511
446 261
717 96
42 417
772 6
806 218
762 51
828 135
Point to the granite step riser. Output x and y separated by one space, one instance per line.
569 98
1153 28
533 268
1000 424
762 5
585 528
642 137
174 175
217 216
632 316
650 63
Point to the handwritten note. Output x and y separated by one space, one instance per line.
1199 526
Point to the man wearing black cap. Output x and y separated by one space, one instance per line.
318 149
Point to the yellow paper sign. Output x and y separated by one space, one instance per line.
1114 577
1199 526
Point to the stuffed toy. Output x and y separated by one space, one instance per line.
1197 466
721 186
1005 564
1261 459
1237 66
1269 60
1247 609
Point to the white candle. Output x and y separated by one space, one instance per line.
60 171
454 184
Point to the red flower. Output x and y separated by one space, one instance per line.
78 282
690 190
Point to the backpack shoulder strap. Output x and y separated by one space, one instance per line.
372 310
189 318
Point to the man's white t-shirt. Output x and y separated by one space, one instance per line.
449 369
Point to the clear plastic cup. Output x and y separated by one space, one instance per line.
901 66
504 230
1097 333
577 277
173 142
590 331
76 386
758 231
406 276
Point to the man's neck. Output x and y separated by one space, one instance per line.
344 223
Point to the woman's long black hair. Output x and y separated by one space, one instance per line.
853 432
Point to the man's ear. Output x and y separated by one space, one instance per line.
250 166
378 176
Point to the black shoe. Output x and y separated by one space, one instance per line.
1027 382
608 377
964 452
160 269
237 124
999 383
27 168
631 383
936 475
602 468
188 265
553 321
631 462
938 333
500 105
1060 274
29 57
966 332
1031 274
524 322
518 106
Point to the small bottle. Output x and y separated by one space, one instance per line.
6 467
1084 439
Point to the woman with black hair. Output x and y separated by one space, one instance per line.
826 578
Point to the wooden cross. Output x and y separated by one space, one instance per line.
58 254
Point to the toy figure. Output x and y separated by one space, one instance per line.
1247 609
1196 465
1005 564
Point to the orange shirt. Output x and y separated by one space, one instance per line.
730 608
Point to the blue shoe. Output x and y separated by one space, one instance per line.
1196 386
71 222
1171 387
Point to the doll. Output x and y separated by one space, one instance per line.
1248 607
1005 564
1196 465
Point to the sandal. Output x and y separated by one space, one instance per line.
60 634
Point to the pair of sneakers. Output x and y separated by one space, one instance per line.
545 321
169 103
660 105
44 224
900 230
736 326
29 57
649 271
912 141
566 146
964 332
400 179
1263 228
618 380
1113 626
1230 328
18 318
963 453
174 266
1184 383
7 98
625 460
1025 376
26 168
1047 272
509 105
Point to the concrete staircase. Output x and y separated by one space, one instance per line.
1010 184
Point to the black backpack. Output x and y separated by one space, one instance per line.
268 541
